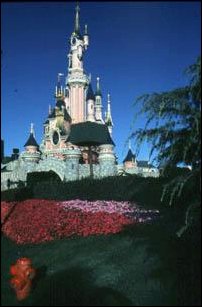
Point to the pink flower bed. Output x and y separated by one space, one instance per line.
37 221
97 206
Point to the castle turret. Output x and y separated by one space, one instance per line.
57 125
130 159
107 160
90 98
108 116
31 153
72 156
31 144
98 103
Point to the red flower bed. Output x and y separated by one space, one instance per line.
36 221
5 209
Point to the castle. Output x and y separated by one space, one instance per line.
78 114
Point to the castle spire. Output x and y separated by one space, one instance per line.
31 140
86 37
32 129
77 25
90 95
108 105
90 98
86 30
59 89
49 109
98 103
108 118
98 91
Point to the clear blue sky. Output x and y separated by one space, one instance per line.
135 48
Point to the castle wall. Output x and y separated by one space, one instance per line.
70 169
51 163
141 171
84 171
107 161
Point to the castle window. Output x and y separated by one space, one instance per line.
72 166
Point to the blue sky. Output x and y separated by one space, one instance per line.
135 48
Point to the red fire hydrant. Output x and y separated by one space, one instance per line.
22 273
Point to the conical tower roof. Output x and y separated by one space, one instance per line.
130 156
98 91
31 141
90 93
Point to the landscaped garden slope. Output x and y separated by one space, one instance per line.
138 267
144 264
116 188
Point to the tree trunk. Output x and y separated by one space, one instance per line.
9 214
90 161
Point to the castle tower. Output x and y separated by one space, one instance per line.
72 156
31 153
107 160
90 99
108 116
31 144
77 81
57 125
98 103
130 159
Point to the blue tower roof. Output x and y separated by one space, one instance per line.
31 141
130 156
90 93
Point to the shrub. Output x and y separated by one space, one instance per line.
16 194
38 177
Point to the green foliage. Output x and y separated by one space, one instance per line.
174 172
6 160
173 129
141 266
176 119
145 265
16 194
39 177
110 188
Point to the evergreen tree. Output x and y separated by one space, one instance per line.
173 128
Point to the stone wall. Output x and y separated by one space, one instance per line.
84 170
141 171
70 169
52 164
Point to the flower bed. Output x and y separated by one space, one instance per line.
5 209
37 221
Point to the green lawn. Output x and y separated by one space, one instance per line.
138 267
145 265
116 270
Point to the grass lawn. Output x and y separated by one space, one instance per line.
116 270
145 265
138 267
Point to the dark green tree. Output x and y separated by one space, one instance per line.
173 128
